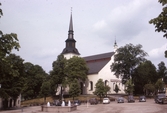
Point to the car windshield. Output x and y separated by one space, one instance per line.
120 97
142 96
105 99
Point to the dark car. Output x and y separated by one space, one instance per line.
120 100
131 98
142 99
77 102
160 98
93 101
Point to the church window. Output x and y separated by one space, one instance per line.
106 83
113 86
91 86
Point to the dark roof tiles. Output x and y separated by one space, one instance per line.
96 62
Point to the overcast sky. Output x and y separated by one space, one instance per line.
42 27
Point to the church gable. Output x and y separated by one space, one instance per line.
96 62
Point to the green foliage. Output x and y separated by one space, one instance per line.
34 76
116 88
162 73
45 90
1 13
76 68
127 59
106 89
159 85
165 54
160 22
57 74
149 89
145 73
12 79
100 90
129 87
74 90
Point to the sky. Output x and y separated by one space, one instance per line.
42 27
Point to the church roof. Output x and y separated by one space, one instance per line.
96 62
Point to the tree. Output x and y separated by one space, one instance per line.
45 90
160 22
76 68
100 89
162 71
74 90
116 88
149 89
106 89
58 74
126 59
129 87
1 13
159 85
12 79
35 76
145 73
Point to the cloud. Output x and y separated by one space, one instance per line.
158 52
100 25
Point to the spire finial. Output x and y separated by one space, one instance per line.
115 41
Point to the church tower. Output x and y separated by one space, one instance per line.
70 49
115 46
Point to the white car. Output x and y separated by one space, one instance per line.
106 100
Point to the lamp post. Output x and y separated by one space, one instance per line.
86 96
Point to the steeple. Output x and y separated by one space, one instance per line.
115 46
70 32
70 42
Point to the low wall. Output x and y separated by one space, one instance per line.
58 108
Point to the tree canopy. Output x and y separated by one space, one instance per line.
34 76
144 74
160 21
58 74
12 79
76 68
126 59
74 89
100 89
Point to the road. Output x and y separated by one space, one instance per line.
138 107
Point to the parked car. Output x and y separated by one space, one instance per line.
131 98
120 100
77 102
93 101
160 98
106 100
142 99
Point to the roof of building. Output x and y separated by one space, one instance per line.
96 62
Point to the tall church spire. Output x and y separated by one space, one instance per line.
70 42
70 32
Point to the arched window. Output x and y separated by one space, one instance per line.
91 85
106 82
113 86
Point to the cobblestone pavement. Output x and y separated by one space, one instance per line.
113 107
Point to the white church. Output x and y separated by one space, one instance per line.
99 66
